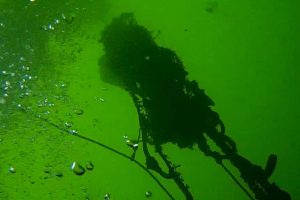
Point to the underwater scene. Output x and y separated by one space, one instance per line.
160 99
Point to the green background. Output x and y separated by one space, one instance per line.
245 54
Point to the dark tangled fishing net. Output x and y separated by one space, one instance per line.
172 108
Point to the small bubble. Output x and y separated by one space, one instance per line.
44 27
77 169
7 83
89 166
73 132
2 100
47 112
63 16
78 111
50 27
107 196
56 21
68 124
148 194
99 99
12 169
11 65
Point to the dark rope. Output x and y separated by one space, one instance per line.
106 147
236 181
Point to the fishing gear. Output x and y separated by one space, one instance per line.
171 108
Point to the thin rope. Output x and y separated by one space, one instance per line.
106 147
236 181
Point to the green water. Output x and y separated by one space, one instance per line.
244 54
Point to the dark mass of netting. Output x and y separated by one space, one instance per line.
172 108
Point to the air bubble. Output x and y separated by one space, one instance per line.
68 124
50 27
73 132
56 21
2 100
12 169
107 196
77 169
78 111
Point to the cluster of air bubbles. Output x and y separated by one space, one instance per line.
15 75
56 23
61 84
45 103
51 26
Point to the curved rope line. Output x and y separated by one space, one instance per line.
106 147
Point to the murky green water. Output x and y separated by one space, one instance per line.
244 54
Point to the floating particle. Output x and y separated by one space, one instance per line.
89 166
77 169
47 171
211 6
